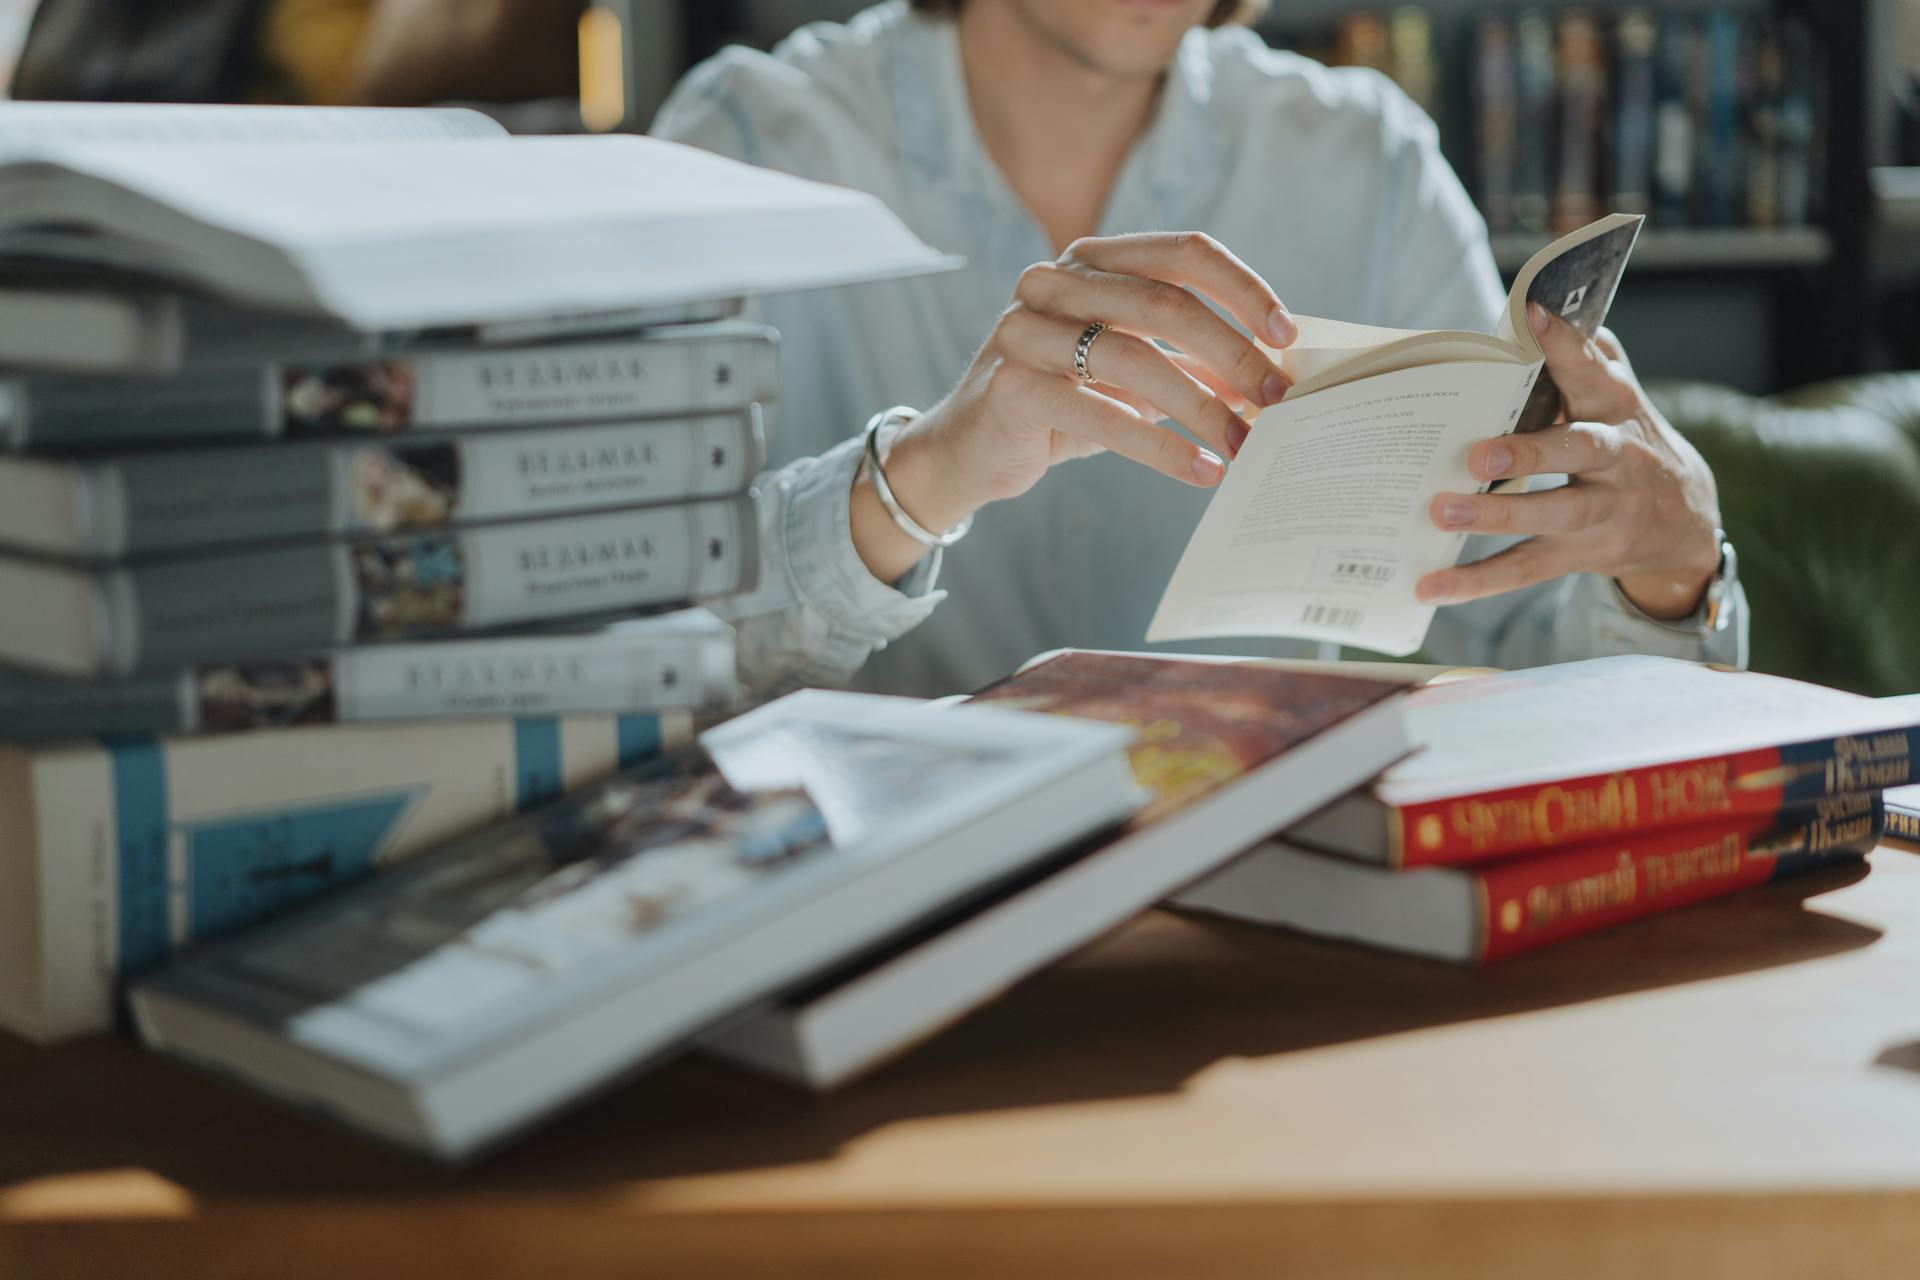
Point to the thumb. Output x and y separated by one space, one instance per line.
1589 382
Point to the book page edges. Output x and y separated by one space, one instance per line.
23 988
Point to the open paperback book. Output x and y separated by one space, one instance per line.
406 221
1320 529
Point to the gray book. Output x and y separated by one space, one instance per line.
685 370
73 318
679 661
109 506
193 610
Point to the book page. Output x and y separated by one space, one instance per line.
1320 529
40 122
463 232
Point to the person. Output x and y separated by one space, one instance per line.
1106 160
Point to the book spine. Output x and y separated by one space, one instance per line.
463 679
234 608
1765 112
1530 902
1636 40
174 501
1904 824
1720 143
1797 124
571 382
1675 128
1583 98
1533 136
649 376
1749 784
196 837
1496 90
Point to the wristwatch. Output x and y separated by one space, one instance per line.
1717 606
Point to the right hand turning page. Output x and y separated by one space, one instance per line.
1320 529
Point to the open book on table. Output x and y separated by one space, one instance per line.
1320 529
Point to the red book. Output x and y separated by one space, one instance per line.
1493 910
1555 757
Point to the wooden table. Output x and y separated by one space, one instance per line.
1728 1090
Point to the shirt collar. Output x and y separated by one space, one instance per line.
1174 163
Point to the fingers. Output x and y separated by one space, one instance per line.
1533 561
1590 382
1567 509
1569 449
1084 413
1158 309
1121 360
1221 387
1198 261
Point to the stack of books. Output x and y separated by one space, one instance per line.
310 427
1552 803
835 877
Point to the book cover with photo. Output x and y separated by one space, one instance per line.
134 504
450 1003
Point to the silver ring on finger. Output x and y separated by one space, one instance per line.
1082 347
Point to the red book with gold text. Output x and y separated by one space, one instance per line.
1554 757
1493 910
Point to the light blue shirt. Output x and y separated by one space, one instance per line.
1329 183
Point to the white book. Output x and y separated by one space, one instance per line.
1321 528
1232 752
383 233
452 1003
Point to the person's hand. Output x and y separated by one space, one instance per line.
1639 505
1020 408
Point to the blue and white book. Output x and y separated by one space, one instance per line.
113 854
446 1006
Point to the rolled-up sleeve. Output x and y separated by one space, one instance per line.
818 613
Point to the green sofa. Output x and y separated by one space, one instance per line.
1820 491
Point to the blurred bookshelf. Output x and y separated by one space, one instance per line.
1669 249
1745 129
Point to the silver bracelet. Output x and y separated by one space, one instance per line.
901 520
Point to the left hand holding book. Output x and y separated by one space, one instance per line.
1639 506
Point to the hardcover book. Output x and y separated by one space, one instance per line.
115 854
112 506
1677 121
1496 88
1493 910
448 1004
1596 750
384 233
1320 529
682 661
1636 70
163 615
1229 753
1583 102
690 370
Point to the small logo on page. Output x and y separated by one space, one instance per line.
1574 299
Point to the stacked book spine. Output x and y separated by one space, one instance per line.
454 580
1477 864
